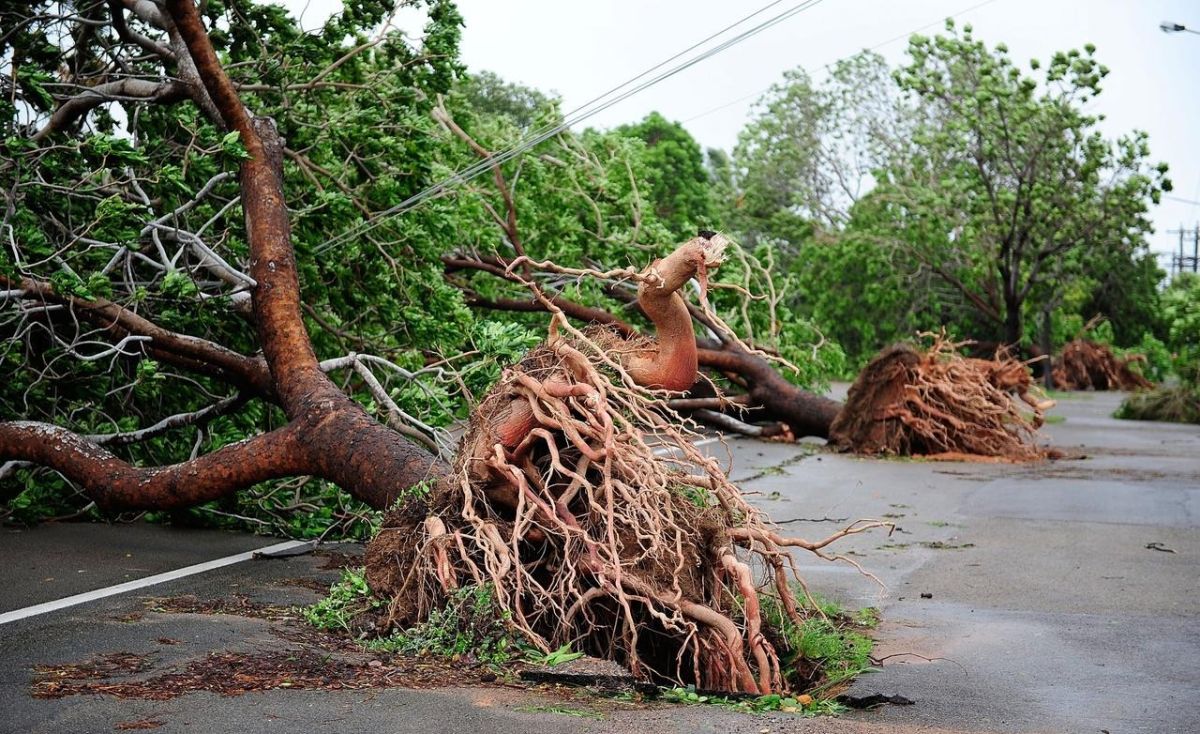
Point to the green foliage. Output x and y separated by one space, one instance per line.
957 190
678 184
1176 403
1010 173
562 655
1181 313
469 623
490 95
347 599
1171 403
799 163
830 638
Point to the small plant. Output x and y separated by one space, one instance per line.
867 617
829 644
470 623
348 598
550 659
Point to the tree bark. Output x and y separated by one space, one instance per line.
775 398
805 413
328 435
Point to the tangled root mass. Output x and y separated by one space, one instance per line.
602 526
1087 365
911 403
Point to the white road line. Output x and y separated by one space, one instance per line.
88 596
179 573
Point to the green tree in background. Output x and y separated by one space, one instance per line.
809 152
679 187
488 94
1019 191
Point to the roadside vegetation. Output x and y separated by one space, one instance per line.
832 646
247 284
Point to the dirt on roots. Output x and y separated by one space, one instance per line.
604 528
937 403
1087 365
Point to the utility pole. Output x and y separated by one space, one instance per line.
1181 261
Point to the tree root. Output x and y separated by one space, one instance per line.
1086 365
908 403
591 538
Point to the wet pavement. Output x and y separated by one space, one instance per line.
1062 597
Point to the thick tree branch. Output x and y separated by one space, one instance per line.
181 350
806 414
117 10
116 485
129 89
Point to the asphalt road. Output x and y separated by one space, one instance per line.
1047 612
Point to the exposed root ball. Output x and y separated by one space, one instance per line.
909 403
599 524
1086 365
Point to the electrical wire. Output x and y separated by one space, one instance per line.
876 47
578 115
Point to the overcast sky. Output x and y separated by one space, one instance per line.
582 49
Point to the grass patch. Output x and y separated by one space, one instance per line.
563 711
828 649
1051 420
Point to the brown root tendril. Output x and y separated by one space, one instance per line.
598 523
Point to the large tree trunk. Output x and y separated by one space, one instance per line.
1013 331
328 434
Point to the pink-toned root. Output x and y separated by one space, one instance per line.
591 538
594 517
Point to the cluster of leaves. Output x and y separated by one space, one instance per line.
1180 402
470 623
348 599
955 190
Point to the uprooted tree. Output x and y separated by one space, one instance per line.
558 497
126 311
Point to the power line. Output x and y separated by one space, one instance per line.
877 46
580 114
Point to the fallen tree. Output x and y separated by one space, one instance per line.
594 519
937 403
327 434
1088 365
559 498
